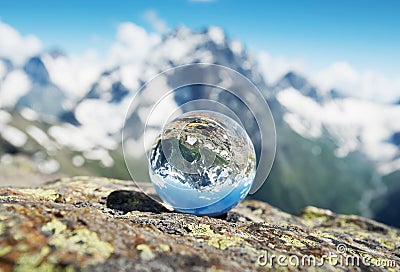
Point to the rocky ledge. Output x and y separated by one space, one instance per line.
102 224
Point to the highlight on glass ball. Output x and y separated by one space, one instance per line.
203 135
203 163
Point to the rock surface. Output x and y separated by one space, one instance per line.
98 224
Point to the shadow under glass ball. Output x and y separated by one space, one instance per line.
203 163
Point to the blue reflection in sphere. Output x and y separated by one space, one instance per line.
203 163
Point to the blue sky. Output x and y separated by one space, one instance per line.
365 33
341 41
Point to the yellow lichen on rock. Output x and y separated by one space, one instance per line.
81 241
34 261
94 224
39 193
214 239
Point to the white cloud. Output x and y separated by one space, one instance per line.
132 45
341 75
14 86
273 68
367 84
155 22
16 47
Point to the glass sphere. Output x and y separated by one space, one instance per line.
203 163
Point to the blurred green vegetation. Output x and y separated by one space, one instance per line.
307 172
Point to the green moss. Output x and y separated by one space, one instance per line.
54 226
132 214
394 234
45 194
316 214
5 250
81 241
146 252
224 242
69 269
22 247
34 261
258 212
292 241
214 269
214 239
200 229
388 243
360 234
145 248
164 247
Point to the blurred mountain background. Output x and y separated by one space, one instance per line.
62 115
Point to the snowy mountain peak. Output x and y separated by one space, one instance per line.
300 83
56 53
82 97
37 71
5 66
216 34
395 139
335 94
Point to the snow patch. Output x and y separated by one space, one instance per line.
29 114
100 154
14 136
355 124
133 45
100 117
6 159
40 137
274 67
367 84
191 140
5 117
14 86
49 166
78 161
16 47
217 35
130 75
3 69
131 150
389 167
302 126
80 139
74 74
236 47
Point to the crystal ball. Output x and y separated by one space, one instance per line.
202 163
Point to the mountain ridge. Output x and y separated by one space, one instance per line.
87 129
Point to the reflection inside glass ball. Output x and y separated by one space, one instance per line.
203 163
